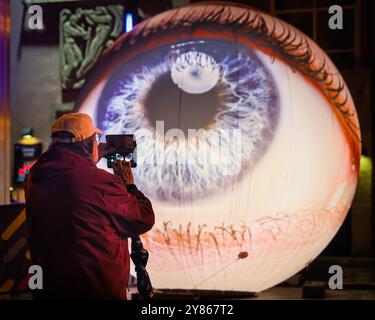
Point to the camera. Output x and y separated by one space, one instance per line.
125 146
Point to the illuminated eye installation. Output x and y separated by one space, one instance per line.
248 143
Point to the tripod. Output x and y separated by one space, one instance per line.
139 255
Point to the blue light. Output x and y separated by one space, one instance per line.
129 22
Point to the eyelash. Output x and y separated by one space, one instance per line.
287 45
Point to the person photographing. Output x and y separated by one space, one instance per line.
80 217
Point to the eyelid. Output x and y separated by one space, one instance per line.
270 33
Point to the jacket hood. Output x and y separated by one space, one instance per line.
57 160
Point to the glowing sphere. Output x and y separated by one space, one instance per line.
248 143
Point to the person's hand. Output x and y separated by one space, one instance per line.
123 170
103 150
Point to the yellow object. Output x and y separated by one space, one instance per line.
16 223
365 164
7 285
29 140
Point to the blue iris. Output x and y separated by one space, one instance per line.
244 98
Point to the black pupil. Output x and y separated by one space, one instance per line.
178 109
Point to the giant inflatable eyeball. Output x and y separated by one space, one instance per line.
248 143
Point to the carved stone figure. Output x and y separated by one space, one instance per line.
84 35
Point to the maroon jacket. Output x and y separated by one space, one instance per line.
79 218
